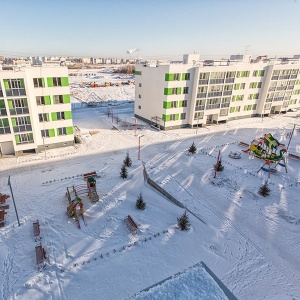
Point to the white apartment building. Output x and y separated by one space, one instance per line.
195 93
35 110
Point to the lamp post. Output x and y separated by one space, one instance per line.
139 151
12 195
134 125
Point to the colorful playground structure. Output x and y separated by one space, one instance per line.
75 202
266 148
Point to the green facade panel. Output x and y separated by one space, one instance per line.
66 98
68 115
22 83
138 72
6 84
54 116
51 132
69 130
10 103
47 100
169 77
2 104
17 138
49 81
64 81
14 121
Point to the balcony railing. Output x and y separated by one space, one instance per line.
290 87
22 128
201 95
4 130
287 98
19 111
25 142
227 93
203 81
3 112
225 104
15 92
213 106
280 88
272 89
278 99
229 80
214 94
199 107
269 99
274 77
284 77
216 81
293 76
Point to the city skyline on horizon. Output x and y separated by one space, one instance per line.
166 30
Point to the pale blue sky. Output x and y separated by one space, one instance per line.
159 28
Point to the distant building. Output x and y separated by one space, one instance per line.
35 109
195 93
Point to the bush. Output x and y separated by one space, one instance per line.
193 148
127 160
124 172
140 203
183 222
264 190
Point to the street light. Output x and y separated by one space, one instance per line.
134 125
139 151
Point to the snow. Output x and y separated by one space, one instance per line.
250 242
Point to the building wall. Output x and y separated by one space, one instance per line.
54 101
255 91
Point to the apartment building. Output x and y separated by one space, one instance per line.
35 110
195 93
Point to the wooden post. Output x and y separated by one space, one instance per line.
216 166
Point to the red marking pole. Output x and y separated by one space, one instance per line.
216 166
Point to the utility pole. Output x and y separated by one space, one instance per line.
12 195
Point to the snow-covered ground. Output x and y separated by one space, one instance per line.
250 242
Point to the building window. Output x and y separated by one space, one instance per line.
38 82
140 85
4 126
198 115
43 118
186 76
57 81
140 107
183 116
58 99
24 138
60 115
185 90
184 103
224 112
238 109
172 117
241 74
173 104
254 106
40 100
45 133
140 96
62 131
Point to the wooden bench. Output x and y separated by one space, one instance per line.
130 224
243 144
40 255
36 230
294 156
88 175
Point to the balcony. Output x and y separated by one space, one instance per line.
225 105
4 130
274 77
201 95
229 80
19 111
269 99
199 107
213 106
3 112
216 81
290 87
203 81
214 94
281 88
284 77
22 128
15 92
227 93
271 89
293 76
278 99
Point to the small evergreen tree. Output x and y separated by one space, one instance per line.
219 167
183 222
264 190
127 160
124 172
140 203
193 148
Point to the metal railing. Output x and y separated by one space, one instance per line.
19 111
199 107
22 128
227 93
225 104
229 80
201 95
213 106
216 81
214 94
203 81
15 92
